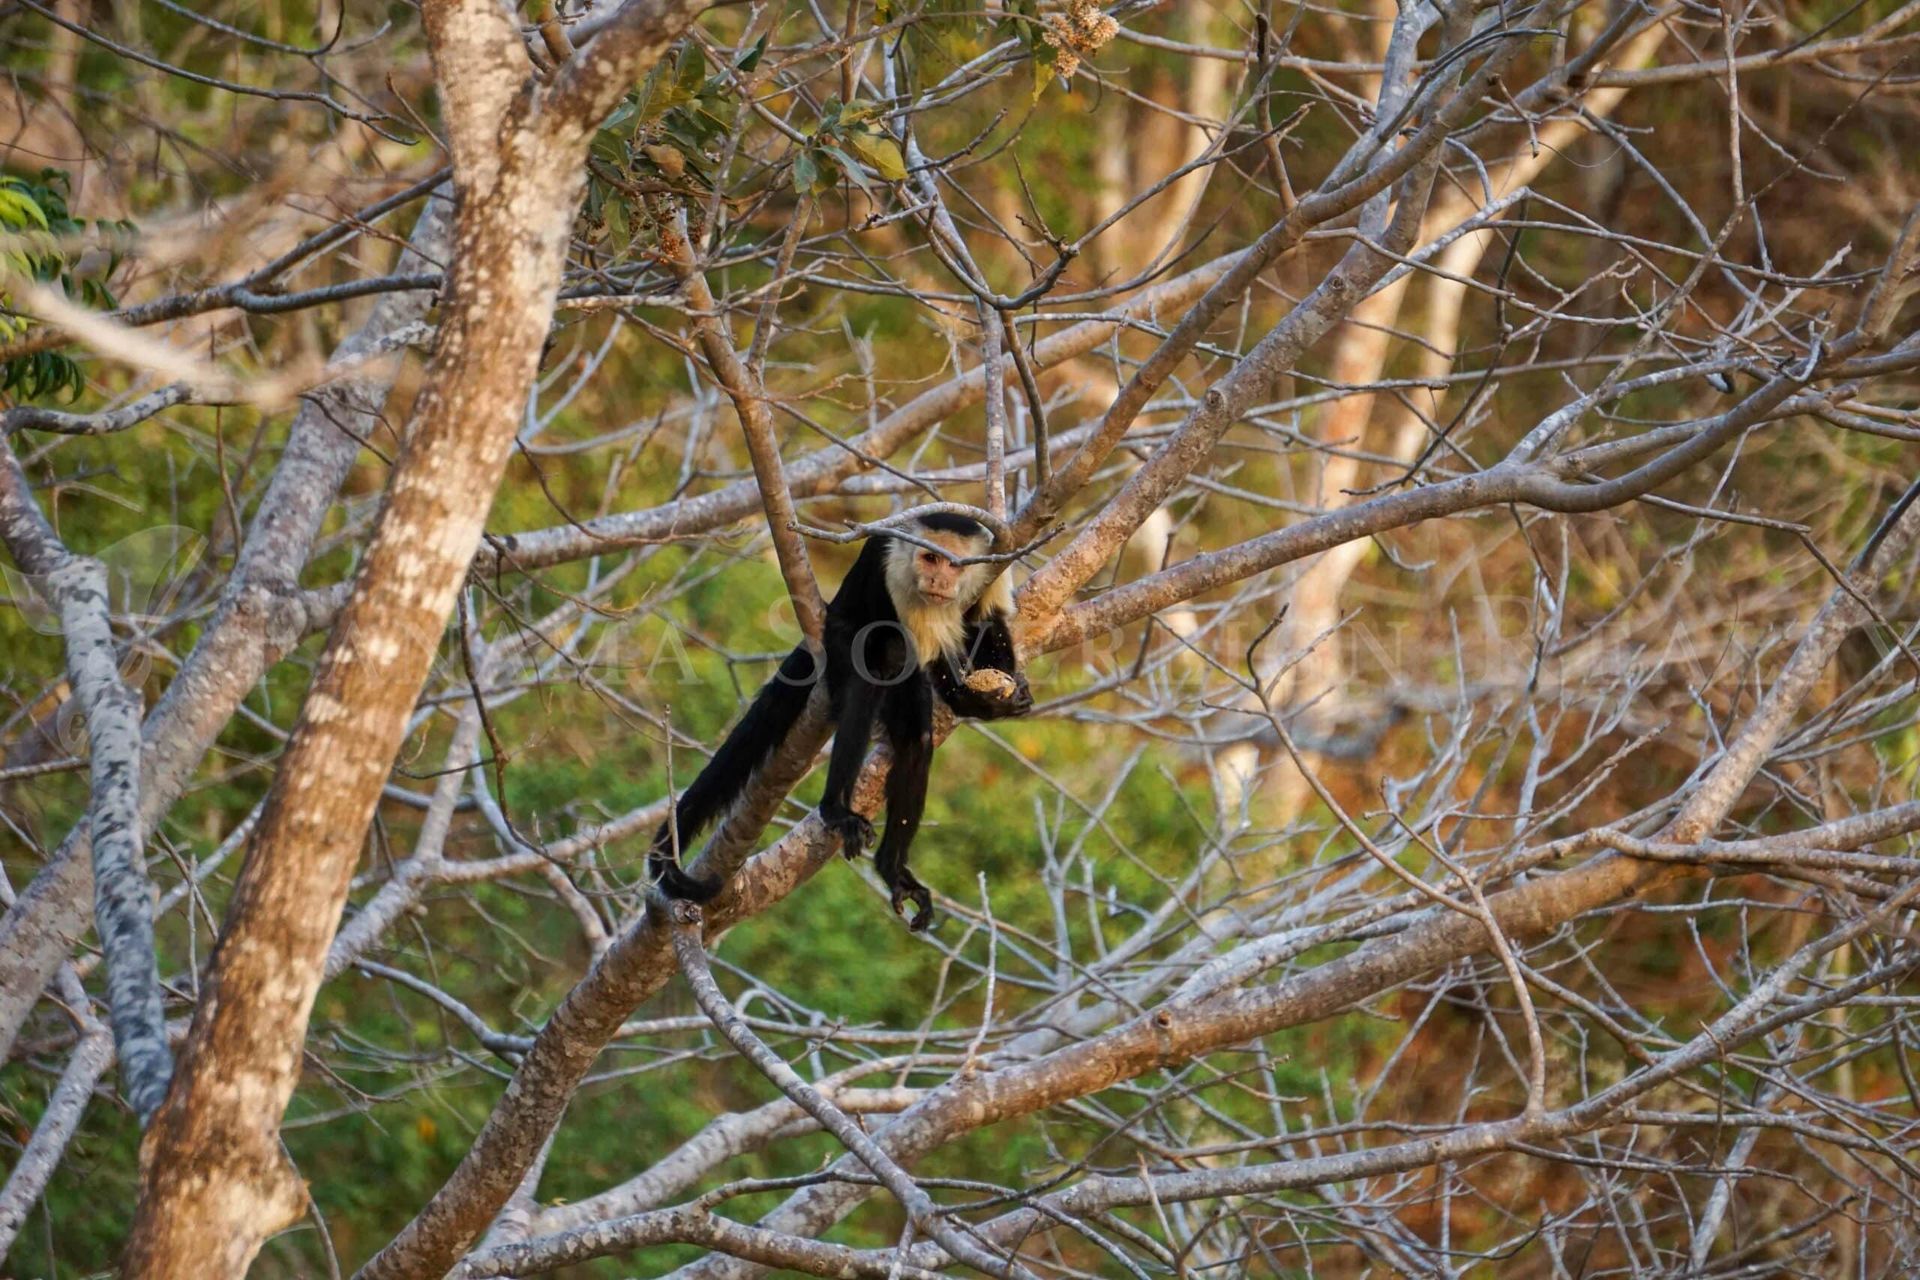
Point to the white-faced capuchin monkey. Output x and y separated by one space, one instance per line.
906 623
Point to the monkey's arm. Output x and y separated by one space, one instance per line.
908 718
852 732
989 648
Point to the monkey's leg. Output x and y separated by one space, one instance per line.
909 724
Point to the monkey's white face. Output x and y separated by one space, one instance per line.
934 576
937 575
931 593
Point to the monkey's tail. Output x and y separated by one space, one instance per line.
769 719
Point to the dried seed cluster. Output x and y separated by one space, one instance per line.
1082 31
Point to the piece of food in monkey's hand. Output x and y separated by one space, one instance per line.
992 683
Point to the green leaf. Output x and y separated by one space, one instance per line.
659 95
18 209
852 169
609 148
954 27
626 111
1042 76
806 172
35 212
753 55
619 233
881 153
691 72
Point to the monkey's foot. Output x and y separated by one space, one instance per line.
854 831
911 890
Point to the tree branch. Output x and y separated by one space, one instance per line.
76 586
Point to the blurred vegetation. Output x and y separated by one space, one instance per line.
403 1088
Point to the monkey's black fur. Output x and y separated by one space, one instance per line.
872 675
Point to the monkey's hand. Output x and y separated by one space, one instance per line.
996 695
854 831
908 889
1020 701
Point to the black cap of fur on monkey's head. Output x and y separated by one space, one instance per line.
954 522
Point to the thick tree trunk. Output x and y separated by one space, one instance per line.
215 1183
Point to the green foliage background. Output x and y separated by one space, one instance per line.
405 1087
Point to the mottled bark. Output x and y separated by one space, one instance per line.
122 894
215 1183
